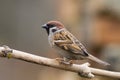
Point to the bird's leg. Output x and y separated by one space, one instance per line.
64 61
60 60
86 71
71 61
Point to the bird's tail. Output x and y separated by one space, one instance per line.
98 60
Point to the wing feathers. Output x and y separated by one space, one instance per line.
66 41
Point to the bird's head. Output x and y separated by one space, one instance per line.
53 26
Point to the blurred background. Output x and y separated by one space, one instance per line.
96 23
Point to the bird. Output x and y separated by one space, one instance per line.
67 45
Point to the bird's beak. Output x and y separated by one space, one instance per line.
44 26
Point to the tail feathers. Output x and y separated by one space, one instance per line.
98 60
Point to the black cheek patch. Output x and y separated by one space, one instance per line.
53 30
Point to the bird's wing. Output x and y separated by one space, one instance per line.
68 42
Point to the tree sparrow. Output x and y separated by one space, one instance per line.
68 45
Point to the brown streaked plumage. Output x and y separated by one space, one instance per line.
68 42
67 45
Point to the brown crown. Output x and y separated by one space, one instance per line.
57 24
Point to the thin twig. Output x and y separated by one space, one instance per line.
53 63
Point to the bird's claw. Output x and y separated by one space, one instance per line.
67 62
86 71
7 51
62 61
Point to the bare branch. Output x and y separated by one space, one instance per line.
7 52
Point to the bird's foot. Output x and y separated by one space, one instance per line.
71 61
67 62
86 71
63 61
59 59
7 52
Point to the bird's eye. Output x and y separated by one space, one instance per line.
53 30
50 25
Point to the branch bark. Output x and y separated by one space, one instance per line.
16 54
